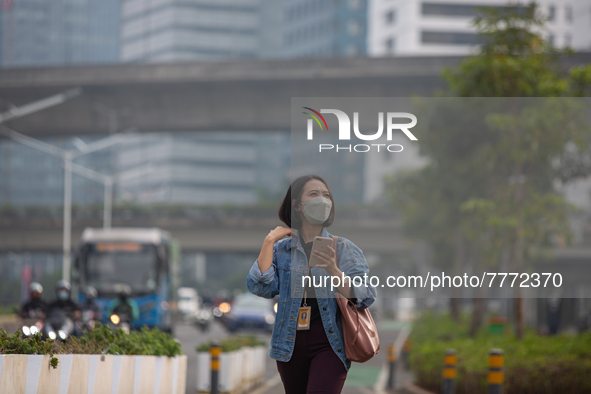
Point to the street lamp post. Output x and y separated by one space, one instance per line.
67 244
36 106
108 182
67 156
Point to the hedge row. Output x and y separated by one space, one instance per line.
537 364
101 340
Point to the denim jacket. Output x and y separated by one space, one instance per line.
284 277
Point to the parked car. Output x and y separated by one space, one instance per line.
250 311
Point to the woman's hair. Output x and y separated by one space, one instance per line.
295 192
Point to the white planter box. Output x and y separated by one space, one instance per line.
239 370
93 374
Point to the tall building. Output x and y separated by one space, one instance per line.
30 178
205 168
444 27
325 28
582 25
172 30
59 32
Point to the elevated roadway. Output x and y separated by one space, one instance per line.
236 235
249 95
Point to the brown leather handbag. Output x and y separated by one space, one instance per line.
359 330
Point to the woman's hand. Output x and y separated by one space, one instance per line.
265 259
278 233
329 261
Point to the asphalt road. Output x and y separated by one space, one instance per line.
190 336
362 378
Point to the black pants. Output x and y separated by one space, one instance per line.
314 367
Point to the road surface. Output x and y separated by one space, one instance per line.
362 378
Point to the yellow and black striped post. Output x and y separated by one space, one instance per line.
448 384
406 353
392 366
496 375
215 350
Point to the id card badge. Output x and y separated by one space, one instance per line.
304 318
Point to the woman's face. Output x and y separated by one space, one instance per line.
313 188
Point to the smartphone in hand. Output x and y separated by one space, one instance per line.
321 244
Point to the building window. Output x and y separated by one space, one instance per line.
390 17
354 28
355 4
352 50
568 13
449 38
460 10
567 40
551 13
390 45
551 39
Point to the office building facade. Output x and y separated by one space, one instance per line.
205 30
445 27
325 28
205 168
59 32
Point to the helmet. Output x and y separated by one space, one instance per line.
91 292
62 284
62 290
35 287
123 290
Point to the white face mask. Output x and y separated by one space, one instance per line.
316 210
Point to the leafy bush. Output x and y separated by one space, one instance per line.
534 365
101 340
232 343
16 344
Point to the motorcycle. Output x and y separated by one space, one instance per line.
32 323
203 318
120 320
88 320
58 325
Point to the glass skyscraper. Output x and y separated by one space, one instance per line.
325 28
172 30
59 32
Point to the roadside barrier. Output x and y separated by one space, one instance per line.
496 375
215 350
392 366
450 360
406 353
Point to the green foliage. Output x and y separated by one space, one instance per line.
534 365
514 61
103 340
232 343
16 344
495 166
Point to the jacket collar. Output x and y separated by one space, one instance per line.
295 240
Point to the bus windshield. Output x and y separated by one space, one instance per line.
131 263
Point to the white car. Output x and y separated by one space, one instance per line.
188 304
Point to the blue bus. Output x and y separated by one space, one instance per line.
145 259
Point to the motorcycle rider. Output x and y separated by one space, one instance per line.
35 307
124 305
91 311
90 302
64 300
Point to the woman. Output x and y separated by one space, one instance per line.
308 360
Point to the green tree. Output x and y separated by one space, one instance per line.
489 186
